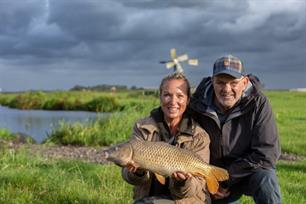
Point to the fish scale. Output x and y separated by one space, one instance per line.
164 159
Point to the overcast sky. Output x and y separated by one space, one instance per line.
57 44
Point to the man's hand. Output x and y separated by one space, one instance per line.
181 176
132 167
221 193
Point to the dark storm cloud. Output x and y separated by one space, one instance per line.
15 20
11 11
126 39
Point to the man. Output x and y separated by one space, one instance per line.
244 139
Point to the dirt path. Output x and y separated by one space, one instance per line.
89 154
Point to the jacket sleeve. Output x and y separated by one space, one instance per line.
265 148
194 186
133 178
141 176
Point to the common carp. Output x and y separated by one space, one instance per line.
164 159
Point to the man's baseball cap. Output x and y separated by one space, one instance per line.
229 65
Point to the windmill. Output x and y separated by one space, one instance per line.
175 61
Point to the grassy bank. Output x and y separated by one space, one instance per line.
102 132
76 100
28 179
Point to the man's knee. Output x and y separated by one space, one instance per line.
264 186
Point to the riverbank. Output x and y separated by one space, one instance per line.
84 153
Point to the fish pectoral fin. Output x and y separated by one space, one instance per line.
212 184
160 178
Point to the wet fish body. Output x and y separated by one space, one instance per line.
164 159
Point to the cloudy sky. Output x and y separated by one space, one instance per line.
57 44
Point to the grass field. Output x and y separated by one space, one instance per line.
33 179
28 179
290 113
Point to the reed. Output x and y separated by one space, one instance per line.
102 132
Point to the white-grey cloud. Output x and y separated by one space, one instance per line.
116 38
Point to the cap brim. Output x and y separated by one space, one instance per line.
231 73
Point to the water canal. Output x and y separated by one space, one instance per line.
38 123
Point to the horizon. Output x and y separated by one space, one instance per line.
129 88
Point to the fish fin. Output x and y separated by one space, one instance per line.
219 173
212 184
160 178
211 181
212 175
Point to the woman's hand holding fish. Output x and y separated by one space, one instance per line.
181 176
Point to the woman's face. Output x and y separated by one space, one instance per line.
174 99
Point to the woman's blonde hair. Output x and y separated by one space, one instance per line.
175 76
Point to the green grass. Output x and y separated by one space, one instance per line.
103 132
28 179
290 114
291 176
76 100
32 179
5 134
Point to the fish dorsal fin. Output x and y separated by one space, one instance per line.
160 178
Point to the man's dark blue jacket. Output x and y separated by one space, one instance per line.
247 138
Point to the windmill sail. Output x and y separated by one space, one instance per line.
174 62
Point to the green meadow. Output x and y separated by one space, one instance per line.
27 178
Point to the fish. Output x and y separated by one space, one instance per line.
164 159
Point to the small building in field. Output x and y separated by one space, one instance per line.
299 89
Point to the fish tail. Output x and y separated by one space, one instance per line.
213 175
219 173
212 184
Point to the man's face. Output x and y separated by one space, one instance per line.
228 90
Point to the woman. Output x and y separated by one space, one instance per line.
170 123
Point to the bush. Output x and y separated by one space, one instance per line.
6 134
28 100
103 104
